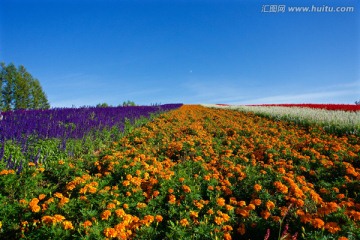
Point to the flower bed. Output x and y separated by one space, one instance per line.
194 173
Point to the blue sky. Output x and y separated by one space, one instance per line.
89 52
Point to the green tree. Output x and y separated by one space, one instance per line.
7 90
2 80
19 90
22 89
38 99
100 105
128 103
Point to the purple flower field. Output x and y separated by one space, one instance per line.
24 128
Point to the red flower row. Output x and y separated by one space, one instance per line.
343 107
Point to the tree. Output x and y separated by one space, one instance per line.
128 103
102 105
19 90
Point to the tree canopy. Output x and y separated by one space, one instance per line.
20 90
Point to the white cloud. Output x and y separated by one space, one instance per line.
329 94
214 91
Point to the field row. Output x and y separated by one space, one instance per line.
334 107
333 121
49 135
194 173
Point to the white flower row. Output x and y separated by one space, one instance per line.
346 120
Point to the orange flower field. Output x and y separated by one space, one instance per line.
194 173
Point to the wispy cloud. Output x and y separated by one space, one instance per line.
215 91
248 92
345 93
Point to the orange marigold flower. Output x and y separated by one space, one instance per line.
218 220
340 196
227 236
120 212
172 199
63 201
58 195
194 214
59 218
233 201
184 222
44 207
281 187
207 178
265 214
186 188
35 208
110 232
148 219
276 218
224 216
220 201
299 203
251 207
332 227
92 189
243 212
111 206
229 207
50 200
227 228
42 196
257 187
257 202
87 223
270 205
158 218
33 202
48 220
181 179
126 183
126 206
300 212
241 229
141 205
156 193
343 238
105 215
67 225
317 223
83 198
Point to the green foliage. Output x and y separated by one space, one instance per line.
19 90
101 105
128 103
